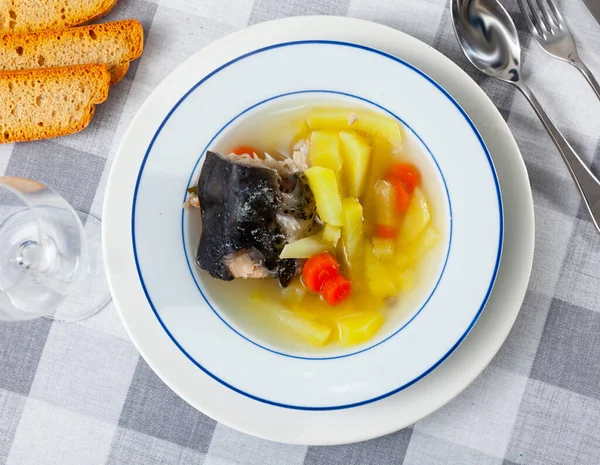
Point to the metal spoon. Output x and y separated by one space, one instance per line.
489 39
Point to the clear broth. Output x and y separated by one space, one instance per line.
275 129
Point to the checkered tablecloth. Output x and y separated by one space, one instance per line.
79 393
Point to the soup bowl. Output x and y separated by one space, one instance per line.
206 108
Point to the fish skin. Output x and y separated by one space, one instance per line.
257 209
238 205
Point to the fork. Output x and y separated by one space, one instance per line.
550 31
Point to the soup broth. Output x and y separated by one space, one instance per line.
390 238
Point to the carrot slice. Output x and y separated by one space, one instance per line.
405 173
403 196
336 290
385 232
245 150
318 269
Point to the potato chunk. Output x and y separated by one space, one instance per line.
357 154
360 327
416 217
331 234
383 247
305 247
365 121
324 187
379 278
325 150
353 232
303 324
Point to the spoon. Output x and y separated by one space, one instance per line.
488 38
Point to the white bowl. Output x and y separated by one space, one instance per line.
162 150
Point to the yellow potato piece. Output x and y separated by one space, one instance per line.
379 126
372 123
411 254
294 293
331 234
379 278
324 187
353 232
385 200
357 154
330 118
306 247
341 182
383 247
303 324
403 260
303 133
325 150
311 330
381 160
405 280
360 327
416 218
427 240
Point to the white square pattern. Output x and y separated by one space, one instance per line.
49 435
228 447
422 23
85 371
482 417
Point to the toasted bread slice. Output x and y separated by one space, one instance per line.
42 103
113 44
118 73
38 15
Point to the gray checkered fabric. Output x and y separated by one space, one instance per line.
81 394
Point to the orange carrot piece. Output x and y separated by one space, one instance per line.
403 196
385 232
336 290
319 269
405 173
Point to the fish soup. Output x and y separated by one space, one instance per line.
323 225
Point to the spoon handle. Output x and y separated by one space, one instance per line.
586 182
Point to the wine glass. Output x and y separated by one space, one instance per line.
50 256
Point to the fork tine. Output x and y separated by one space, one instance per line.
536 18
527 17
559 19
545 12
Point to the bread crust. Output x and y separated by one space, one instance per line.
13 12
118 73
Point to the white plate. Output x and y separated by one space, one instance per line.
176 366
207 325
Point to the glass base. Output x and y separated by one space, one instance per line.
90 293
